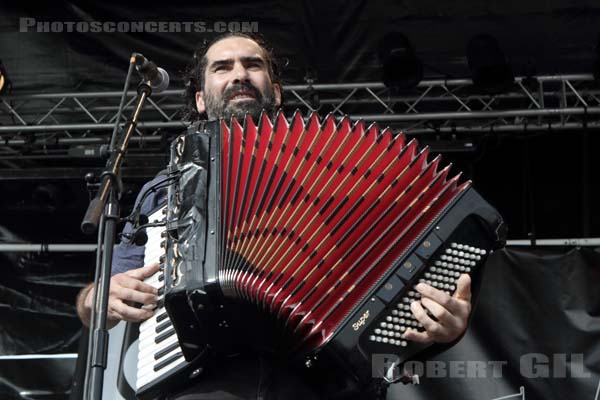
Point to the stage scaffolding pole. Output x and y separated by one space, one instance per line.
85 248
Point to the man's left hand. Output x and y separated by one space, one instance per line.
451 313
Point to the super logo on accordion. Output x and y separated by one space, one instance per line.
322 226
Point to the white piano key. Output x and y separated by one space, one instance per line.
154 281
148 325
152 321
153 375
150 330
148 369
149 361
153 256
149 348
143 380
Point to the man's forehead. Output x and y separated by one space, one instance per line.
232 48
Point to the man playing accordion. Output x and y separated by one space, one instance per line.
236 74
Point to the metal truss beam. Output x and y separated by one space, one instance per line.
557 102
83 248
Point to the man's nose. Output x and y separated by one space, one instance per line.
240 73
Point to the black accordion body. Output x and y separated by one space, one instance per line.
317 229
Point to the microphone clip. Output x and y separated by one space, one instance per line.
153 76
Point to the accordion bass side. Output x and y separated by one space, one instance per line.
323 227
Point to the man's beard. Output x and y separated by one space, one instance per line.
223 107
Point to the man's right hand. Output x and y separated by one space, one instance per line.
126 289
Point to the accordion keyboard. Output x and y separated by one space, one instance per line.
159 352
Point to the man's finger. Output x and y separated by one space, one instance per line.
451 323
463 288
420 314
416 336
113 315
131 314
134 284
136 296
144 272
439 312
449 303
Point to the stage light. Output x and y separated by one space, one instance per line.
401 68
490 71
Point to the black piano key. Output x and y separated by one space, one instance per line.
161 290
166 350
163 326
162 316
167 361
160 303
164 335
161 277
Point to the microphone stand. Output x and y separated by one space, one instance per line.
103 212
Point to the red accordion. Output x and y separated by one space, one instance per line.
322 226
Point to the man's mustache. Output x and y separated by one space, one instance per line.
233 90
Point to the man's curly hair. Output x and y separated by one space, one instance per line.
194 74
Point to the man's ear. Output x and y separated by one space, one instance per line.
200 106
277 90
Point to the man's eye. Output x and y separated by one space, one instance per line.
254 65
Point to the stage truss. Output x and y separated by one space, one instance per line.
60 126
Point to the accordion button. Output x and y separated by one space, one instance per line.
428 246
390 289
407 270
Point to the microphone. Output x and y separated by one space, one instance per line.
143 219
140 238
138 235
156 76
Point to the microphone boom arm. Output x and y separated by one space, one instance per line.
103 211
113 166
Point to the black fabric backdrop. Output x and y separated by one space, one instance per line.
337 40
533 304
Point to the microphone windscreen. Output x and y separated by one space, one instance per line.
140 238
142 219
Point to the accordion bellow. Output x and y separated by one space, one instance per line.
323 225
339 207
